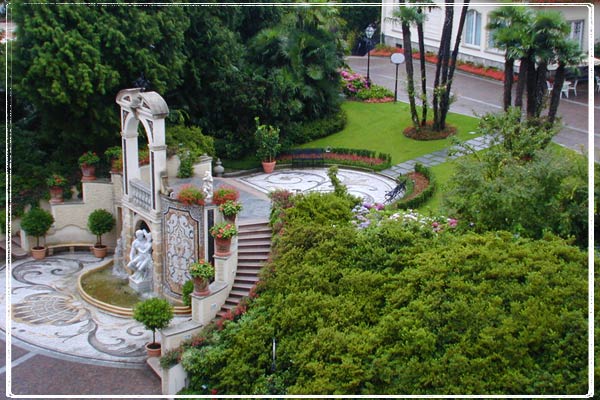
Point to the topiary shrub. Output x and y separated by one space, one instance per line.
36 223
154 313
100 222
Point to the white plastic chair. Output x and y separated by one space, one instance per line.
565 89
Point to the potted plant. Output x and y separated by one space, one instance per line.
202 272
36 223
100 222
190 195
267 141
223 233
56 183
87 162
154 314
114 157
225 193
230 210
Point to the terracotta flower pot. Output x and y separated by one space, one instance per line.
153 349
56 195
201 286
99 251
230 218
38 253
222 247
268 167
89 173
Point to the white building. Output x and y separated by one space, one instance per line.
476 44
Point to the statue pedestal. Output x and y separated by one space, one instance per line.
142 286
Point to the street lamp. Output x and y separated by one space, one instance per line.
369 32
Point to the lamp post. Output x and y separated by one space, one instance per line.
369 32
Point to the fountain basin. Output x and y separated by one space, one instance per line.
100 288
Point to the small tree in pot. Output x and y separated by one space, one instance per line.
267 141
154 314
100 222
36 223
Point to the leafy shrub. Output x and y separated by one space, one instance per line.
186 164
100 222
375 92
225 193
186 291
180 136
154 313
190 195
302 132
170 358
267 141
37 222
420 198
398 308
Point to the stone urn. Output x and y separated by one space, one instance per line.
201 286
222 247
89 173
56 195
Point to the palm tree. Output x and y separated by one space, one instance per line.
407 15
507 26
549 30
567 52
444 72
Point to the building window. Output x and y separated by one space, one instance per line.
473 28
577 32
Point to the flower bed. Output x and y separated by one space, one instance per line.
350 157
356 87
488 72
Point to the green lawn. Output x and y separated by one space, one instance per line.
379 127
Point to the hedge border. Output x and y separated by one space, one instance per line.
422 197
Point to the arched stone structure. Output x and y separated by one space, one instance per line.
142 187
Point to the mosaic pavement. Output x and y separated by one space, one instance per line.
47 312
371 187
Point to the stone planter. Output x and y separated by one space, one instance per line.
222 247
201 286
89 173
56 195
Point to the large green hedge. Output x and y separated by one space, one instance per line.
397 308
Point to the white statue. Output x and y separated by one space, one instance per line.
207 185
141 255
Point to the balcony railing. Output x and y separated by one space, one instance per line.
140 194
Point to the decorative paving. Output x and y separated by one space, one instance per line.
371 187
48 312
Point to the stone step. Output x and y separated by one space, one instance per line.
237 293
256 225
246 279
249 266
256 257
254 235
254 243
237 285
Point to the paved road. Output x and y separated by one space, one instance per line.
476 96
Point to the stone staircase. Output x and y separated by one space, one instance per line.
16 250
254 247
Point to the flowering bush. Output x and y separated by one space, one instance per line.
225 193
56 180
352 83
230 208
223 231
89 158
190 195
366 215
201 269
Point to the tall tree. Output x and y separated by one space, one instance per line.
567 53
507 26
70 61
408 15
444 73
